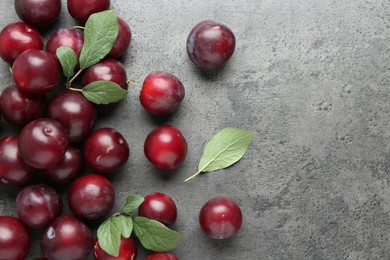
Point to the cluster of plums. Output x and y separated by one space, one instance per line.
51 131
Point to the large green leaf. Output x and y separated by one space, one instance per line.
100 33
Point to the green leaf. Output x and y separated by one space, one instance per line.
155 236
110 231
103 92
109 235
225 148
68 60
101 30
132 203
125 225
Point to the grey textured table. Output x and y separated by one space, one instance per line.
311 79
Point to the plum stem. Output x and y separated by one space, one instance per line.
73 78
193 176
75 89
133 83
78 27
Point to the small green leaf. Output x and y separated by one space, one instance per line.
225 148
103 92
132 203
155 236
101 30
68 60
125 224
109 235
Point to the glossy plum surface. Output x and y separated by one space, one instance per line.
122 41
220 218
127 250
108 70
91 196
15 241
38 12
106 150
74 112
165 147
161 93
160 207
66 238
42 143
19 107
65 37
161 256
17 37
210 44
67 168
13 170
38 205
36 71
82 9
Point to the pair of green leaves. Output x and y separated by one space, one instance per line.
225 148
100 33
152 234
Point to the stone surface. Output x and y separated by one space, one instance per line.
310 79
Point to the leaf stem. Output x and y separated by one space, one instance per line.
10 69
75 89
193 176
133 83
74 77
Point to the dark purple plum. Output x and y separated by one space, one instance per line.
15 241
67 168
42 143
210 44
36 71
122 40
74 112
13 170
108 70
38 205
20 108
65 37
17 37
106 150
82 9
91 197
38 12
67 238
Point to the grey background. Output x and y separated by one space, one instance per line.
310 78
